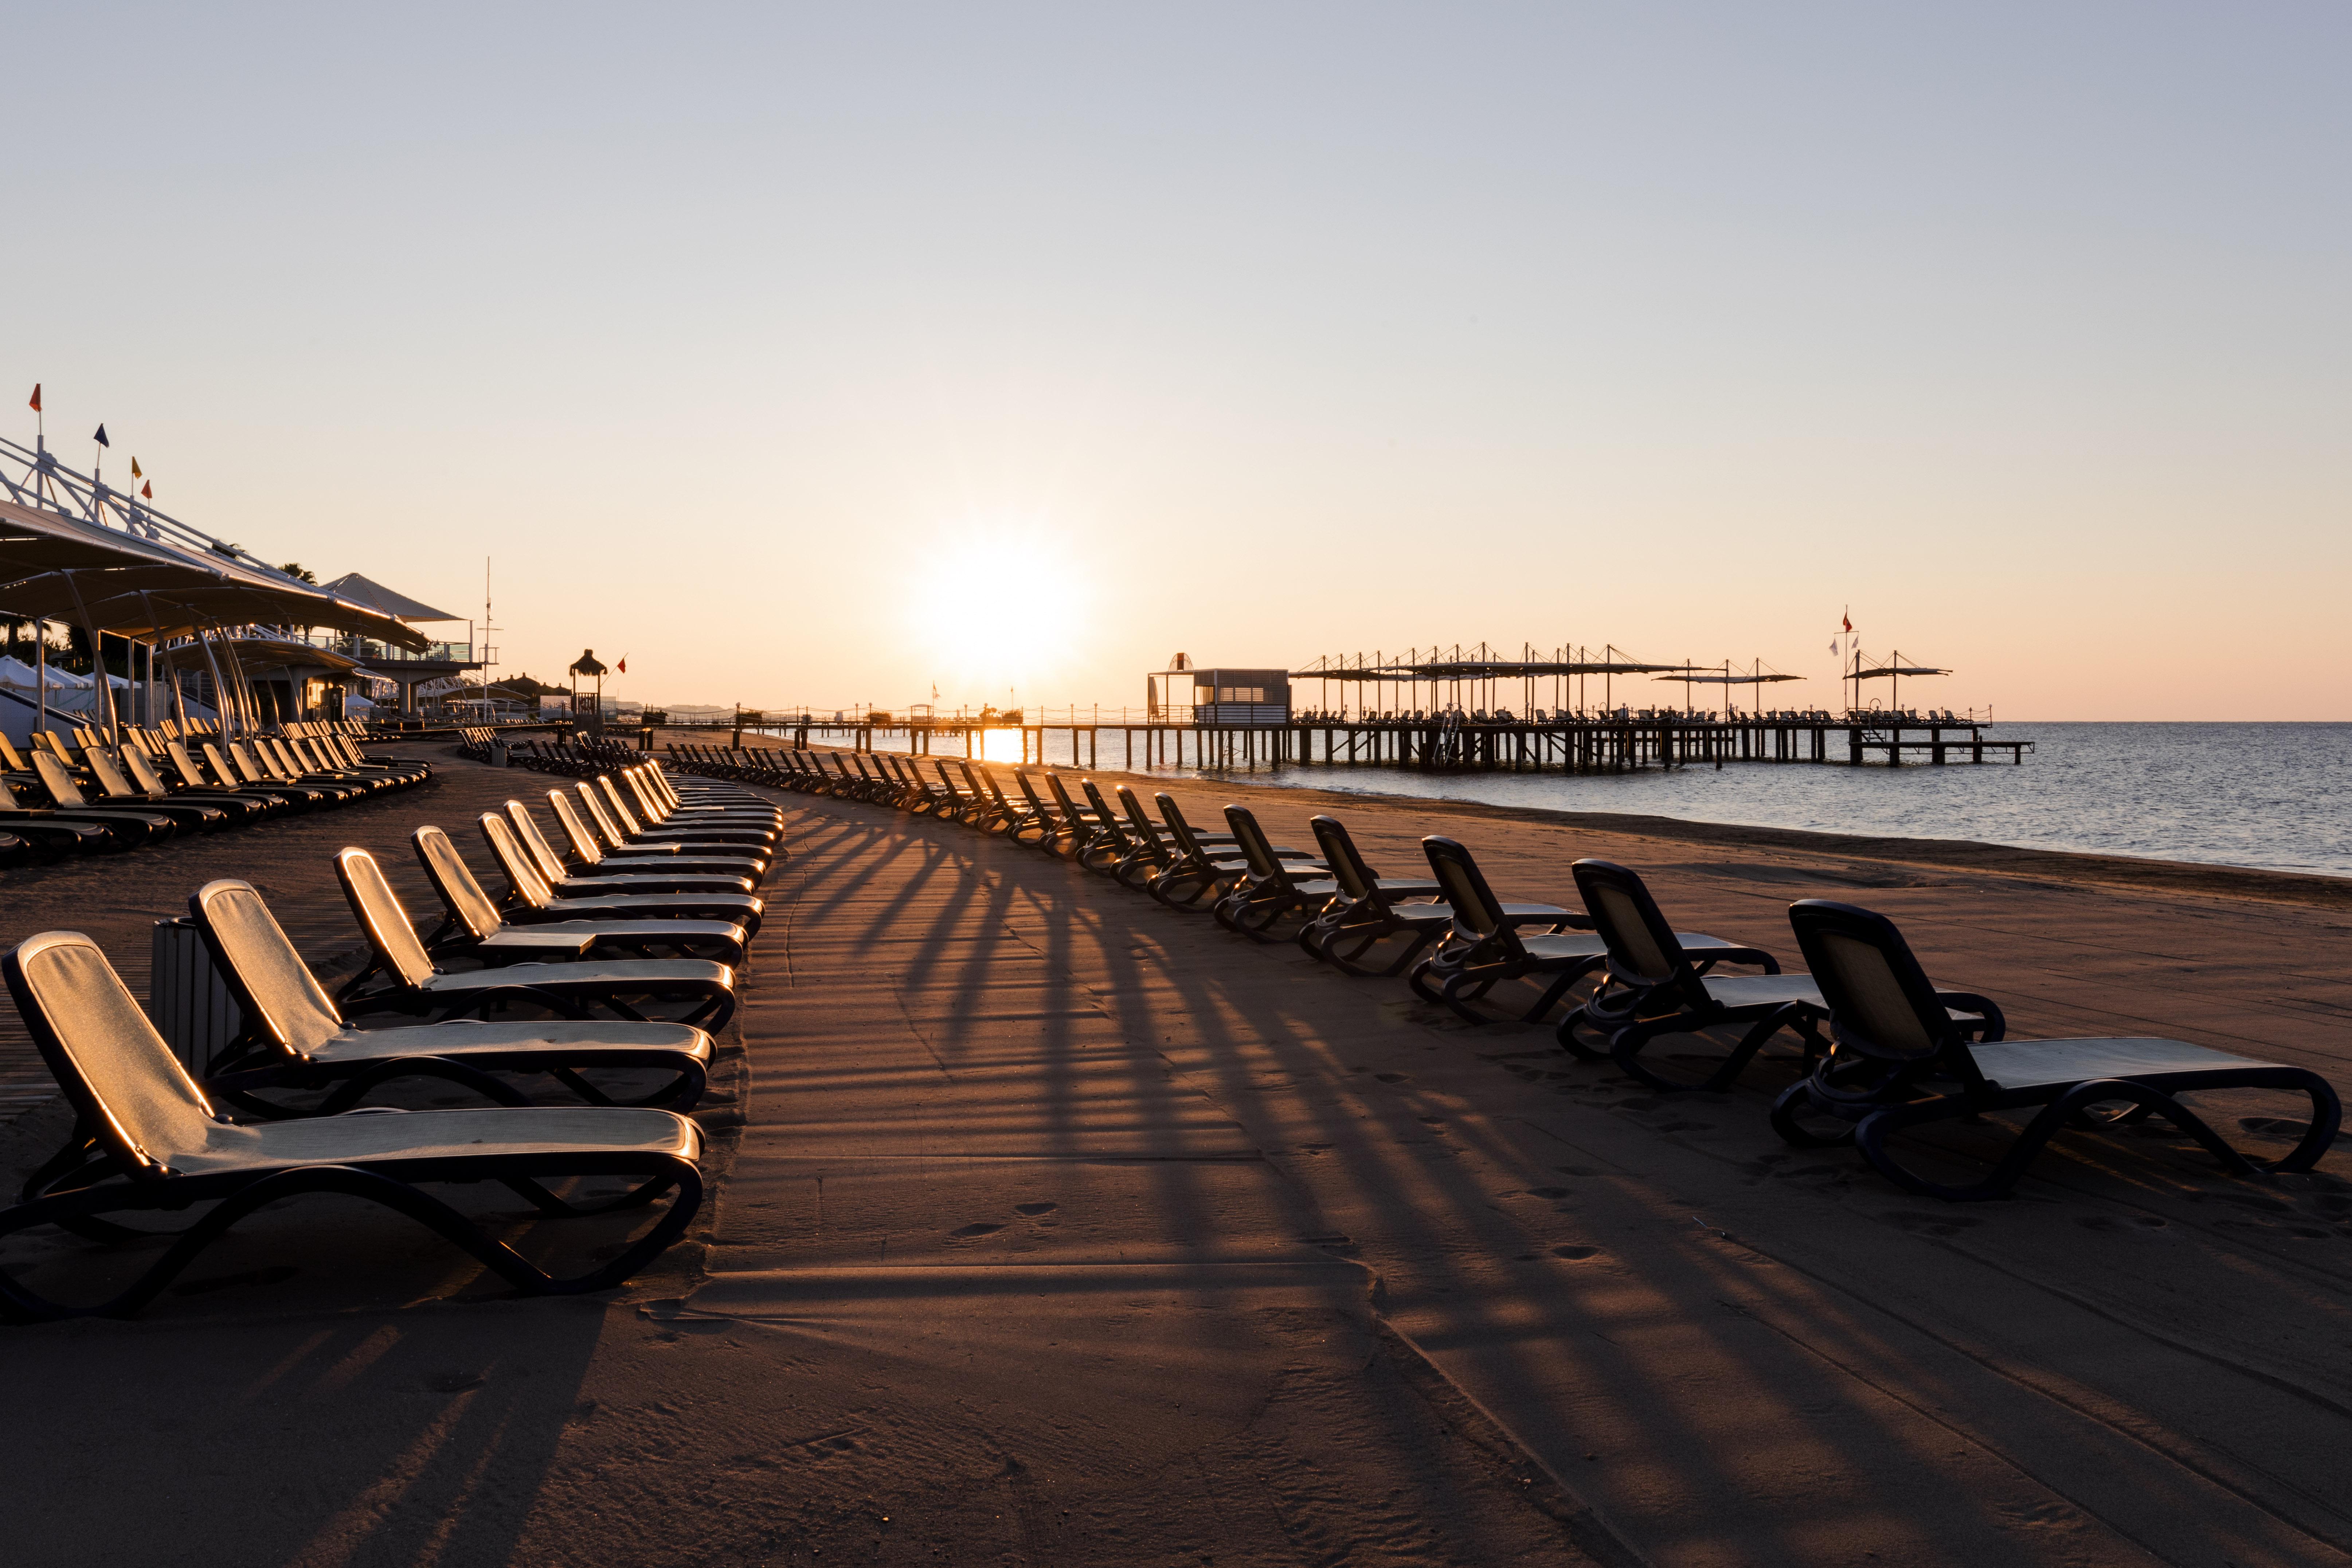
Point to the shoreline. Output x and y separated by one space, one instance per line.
2081 867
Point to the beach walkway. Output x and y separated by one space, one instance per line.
1057 1227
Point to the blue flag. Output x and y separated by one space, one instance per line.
101 437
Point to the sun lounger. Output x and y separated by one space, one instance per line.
472 925
411 983
1488 942
1271 887
295 1037
618 828
115 788
1903 1061
148 780
1075 825
148 1141
1658 984
591 856
1368 908
236 765
127 826
566 882
530 898
643 816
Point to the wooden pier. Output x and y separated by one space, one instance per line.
1455 742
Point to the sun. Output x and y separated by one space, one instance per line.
999 609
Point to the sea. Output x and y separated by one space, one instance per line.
2274 795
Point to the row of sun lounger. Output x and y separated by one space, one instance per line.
626 943
77 795
1885 1049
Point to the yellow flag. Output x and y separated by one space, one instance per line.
134 469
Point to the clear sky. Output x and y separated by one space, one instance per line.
825 354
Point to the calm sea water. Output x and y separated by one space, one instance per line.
2275 796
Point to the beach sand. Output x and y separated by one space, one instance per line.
1054 1227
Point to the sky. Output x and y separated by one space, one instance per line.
836 355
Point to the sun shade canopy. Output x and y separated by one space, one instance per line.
151 590
1481 670
377 597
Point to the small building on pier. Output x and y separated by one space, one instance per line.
1226 698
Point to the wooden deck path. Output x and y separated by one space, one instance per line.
1063 1228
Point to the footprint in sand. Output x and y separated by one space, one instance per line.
1035 1210
1576 1253
972 1230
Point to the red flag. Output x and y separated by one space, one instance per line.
36 404
1849 622
624 664
148 489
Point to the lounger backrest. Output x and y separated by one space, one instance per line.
143 773
624 823
1252 839
175 752
1106 819
104 1053
1029 790
656 779
1355 878
1881 1001
1178 828
515 861
582 838
1070 813
649 805
247 767
9 756
1477 913
543 858
57 780
1642 945
453 879
1143 832
273 753
380 914
593 812
280 997
111 782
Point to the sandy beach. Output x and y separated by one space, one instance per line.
1054 1227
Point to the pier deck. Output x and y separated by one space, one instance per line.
1566 746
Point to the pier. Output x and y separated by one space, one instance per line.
1453 741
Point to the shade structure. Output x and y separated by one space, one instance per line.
156 591
1697 679
33 541
1893 670
377 596
1481 670
256 654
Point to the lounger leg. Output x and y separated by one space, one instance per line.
399 1196
1753 1041
1871 1137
